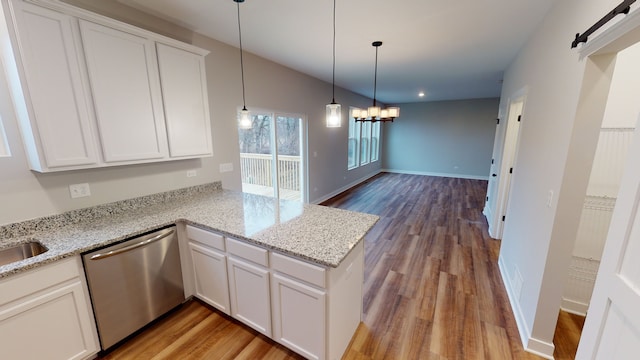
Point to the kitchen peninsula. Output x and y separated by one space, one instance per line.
300 249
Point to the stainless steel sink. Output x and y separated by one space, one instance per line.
21 252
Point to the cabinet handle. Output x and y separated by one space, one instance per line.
131 247
494 175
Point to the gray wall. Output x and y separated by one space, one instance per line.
25 194
447 138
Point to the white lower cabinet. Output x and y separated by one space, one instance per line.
45 314
210 276
311 309
299 316
249 288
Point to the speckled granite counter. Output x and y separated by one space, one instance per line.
315 233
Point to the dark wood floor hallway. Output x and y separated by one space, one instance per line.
432 286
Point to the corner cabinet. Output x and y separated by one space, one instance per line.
90 91
209 268
45 313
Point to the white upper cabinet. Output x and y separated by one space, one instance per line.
90 91
125 85
186 103
45 76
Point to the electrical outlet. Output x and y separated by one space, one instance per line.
192 173
79 190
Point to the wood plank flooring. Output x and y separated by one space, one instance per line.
432 286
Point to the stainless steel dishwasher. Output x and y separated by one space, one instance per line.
133 282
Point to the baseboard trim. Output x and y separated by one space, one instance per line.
574 307
346 187
426 173
532 345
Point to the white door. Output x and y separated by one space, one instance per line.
505 168
612 327
492 186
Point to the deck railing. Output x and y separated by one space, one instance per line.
257 169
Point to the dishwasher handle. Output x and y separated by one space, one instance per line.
132 246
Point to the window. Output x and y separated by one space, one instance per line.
4 144
364 143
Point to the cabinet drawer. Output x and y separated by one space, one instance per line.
299 269
205 237
249 252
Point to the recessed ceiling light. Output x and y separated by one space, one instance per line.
421 94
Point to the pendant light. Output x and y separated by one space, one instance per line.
375 113
334 111
244 121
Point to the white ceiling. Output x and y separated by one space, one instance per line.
448 49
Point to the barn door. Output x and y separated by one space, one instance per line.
612 328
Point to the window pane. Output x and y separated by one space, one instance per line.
288 140
365 139
256 160
353 146
375 142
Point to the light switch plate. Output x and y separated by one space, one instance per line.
79 190
226 167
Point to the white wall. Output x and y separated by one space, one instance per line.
25 194
449 138
555 154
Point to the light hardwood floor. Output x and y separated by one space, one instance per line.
432 286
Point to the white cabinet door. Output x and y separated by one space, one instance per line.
249 293
46 326
126 93
186 103
54 107
45 314
210 276
299 316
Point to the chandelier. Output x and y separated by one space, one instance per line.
375 113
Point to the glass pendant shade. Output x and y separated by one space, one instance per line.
355 113
334 116
394 112
373 111
244 122
384 113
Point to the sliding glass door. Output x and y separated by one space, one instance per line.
271 156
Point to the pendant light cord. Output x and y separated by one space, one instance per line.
244 103
333 81
375 78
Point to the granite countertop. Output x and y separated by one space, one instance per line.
314 233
